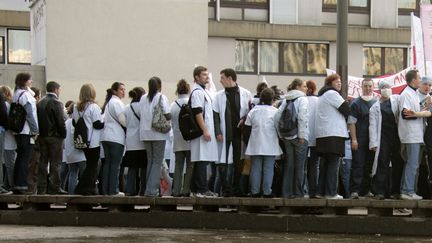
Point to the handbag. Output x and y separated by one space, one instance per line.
159 121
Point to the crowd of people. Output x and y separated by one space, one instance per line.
305 143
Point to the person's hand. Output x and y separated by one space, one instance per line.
354 145
408 113
219 138
301 141
207 136
373 149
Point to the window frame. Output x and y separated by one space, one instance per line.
407 11
255 57
3 58
244 4
8 44
304 60
361 10
382 61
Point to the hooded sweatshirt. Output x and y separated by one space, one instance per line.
301 106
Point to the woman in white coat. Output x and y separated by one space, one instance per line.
384 139
9 144
154 141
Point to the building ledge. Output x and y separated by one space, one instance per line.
20 19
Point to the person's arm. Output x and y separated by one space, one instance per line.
34 129
217 127
407 114
352 120
302 119
59 119
201 123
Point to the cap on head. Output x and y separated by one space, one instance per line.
383 85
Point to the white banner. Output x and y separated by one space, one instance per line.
426 21
396 81
418 55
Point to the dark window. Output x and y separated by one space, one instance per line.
245 3
379 61
405 7
2 50
355 6
18 46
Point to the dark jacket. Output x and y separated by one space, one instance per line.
3 112
51 117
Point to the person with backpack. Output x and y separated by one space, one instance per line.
181 147
331 132
292 120
26 136
113 138
52 132
262 145
231 106
155 111
135 158
87 122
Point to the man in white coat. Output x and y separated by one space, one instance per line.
231 107
203 148
411 135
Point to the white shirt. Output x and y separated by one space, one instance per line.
329 121
113 132
133 141
9 143
179 144
312 105
91 113
202 150
26 97
410 131
71 154
146 109
263 139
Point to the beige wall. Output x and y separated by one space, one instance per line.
9 72
102 41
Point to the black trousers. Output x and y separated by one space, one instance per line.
87 183
361 168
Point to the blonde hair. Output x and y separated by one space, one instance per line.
87 95
7 93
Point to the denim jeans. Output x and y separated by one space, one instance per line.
199 178
411 166
182 181
24 153
262 169
328 179
9 159
135 181
345 174
293 169
155 155
312 172
75 172
225 180
111 169
64 175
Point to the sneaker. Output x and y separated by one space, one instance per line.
395 196
192 194
379 197
120 194
205 194
4 191
410 197
337 196
369 195
354 195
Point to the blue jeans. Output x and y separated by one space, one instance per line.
24 153
262 167
345 174
155 155
135 181
312 172
110 174
182 183
75 172
9 159
410 169
199 177
293 169
328 179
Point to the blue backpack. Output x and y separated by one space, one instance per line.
288 121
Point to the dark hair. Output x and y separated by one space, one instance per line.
110 92
198 70
136 93
294 84
311 88
411 75
229 72
154 85
52 86
260 87
21 79
266 96
182 87
68 103
329 79
277 92
69 107
36 91
366 80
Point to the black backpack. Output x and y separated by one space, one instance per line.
288 121
81 140
188 125
17 116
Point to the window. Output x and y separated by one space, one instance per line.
246 56
405 7
245 3
2 53
282 57
19 50
383 60
355 6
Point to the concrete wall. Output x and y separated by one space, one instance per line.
9 72
102 41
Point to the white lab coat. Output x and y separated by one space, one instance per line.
179 144
202 150
375 124
329 121
113 116
410 131
146 131
219 106
133 141
91 114
312 106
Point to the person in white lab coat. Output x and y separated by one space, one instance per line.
231 106
203 148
